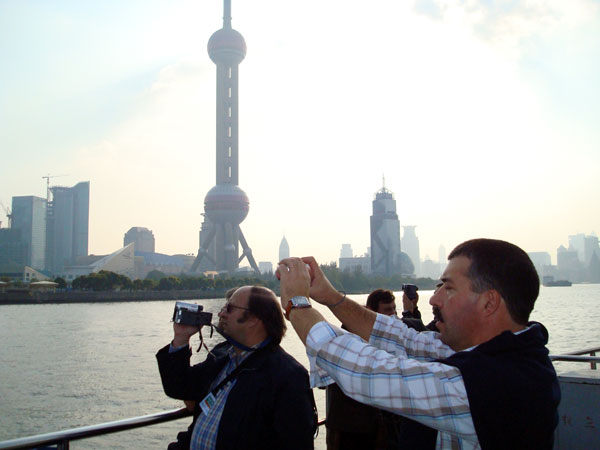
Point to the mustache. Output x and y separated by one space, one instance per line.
437 314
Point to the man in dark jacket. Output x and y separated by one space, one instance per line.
249 392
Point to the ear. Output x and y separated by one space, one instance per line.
252 320
492 300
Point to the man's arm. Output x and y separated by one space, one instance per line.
429 392
297 279
179 380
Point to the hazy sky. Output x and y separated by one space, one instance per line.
482 115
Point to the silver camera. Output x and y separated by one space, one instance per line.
191 314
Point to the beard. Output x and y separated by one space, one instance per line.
437 314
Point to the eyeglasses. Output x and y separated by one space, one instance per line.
228 307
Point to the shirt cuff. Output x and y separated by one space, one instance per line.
320 334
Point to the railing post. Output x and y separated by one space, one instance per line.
593 363
63 445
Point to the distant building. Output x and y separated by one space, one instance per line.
284 249
410 245
430 269
25 274
577 244
67 226
385 235
350 264
265 266
146 262
29 216
590 248
568 264
13 250
142 238
542 263
122 262
346 251
579 263
442 256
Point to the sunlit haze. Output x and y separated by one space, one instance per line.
482 116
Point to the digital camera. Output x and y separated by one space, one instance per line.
191 314
410 290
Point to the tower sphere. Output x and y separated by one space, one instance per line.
226 203
227 45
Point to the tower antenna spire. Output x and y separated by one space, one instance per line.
227 14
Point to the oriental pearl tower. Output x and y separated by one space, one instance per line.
225 205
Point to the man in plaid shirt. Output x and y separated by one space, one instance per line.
484 381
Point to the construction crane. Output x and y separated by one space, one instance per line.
7 212
47 178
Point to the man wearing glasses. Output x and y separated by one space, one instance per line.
248 393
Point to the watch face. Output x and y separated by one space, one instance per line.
300 301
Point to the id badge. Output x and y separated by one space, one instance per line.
207 403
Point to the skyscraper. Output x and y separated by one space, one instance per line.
225 205
385 235
67 226
29 216
284 249
410 245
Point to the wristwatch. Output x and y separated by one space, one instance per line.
299 301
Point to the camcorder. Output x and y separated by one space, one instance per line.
410 290
191 314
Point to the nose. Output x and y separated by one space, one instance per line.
222 312
435 298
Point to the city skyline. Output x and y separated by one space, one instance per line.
482 118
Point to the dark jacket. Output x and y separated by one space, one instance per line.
513 390
271 405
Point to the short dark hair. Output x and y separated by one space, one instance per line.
264 304
379 296
504 267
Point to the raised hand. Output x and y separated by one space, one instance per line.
294 277
408 304
321 289
183 333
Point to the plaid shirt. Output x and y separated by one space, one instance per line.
396 372
205 431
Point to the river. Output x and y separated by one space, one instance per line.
70 365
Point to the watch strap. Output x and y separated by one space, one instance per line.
290 305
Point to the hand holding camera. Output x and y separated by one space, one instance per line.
410 297
188 319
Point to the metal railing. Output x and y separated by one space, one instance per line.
63 438
577 357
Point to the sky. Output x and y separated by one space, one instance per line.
481 116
